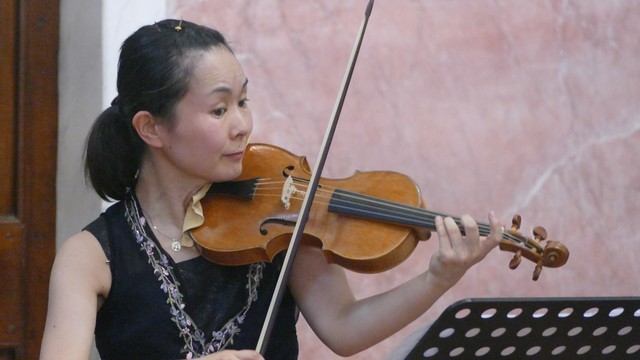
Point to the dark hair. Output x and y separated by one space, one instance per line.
154 70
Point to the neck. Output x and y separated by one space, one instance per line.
358 205
164 198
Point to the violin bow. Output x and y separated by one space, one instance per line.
303 216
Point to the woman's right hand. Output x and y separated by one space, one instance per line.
234 355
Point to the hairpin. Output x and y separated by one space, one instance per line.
179 27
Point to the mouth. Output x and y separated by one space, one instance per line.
235 155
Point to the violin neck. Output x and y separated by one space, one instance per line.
372 208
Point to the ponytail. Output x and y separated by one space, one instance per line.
112 155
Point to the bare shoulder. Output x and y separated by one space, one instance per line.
79 279
82 261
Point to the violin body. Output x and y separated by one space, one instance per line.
251 224
369 222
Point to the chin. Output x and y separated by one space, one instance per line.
229 174
237 171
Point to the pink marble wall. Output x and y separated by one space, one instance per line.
521 107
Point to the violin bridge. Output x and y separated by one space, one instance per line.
288 190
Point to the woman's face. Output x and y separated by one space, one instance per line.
212 122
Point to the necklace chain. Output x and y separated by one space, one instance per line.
175 243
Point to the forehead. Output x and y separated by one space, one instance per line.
215 67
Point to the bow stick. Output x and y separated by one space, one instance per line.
276 299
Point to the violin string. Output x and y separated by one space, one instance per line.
408 210
325 192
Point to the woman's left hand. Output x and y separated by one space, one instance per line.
457 253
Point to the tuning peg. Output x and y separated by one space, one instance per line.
537 271
540 233
516 260
516 222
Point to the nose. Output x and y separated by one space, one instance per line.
242 123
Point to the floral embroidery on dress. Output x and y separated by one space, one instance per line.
194 338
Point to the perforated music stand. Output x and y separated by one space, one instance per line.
533 328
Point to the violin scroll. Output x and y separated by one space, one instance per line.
552 254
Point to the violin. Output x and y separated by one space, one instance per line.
369 222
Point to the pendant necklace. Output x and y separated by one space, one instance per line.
175 243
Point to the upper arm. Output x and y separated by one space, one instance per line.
321 291
80 275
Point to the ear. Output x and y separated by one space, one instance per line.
146 126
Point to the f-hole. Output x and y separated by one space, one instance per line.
286 172
263 227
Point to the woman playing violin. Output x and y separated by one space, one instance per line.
180 122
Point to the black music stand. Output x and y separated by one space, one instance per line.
534 328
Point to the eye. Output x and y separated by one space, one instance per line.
219 112
243 103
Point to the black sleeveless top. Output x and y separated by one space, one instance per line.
136 322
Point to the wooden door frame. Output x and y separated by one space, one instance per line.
37 120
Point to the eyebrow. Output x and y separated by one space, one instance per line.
226 89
